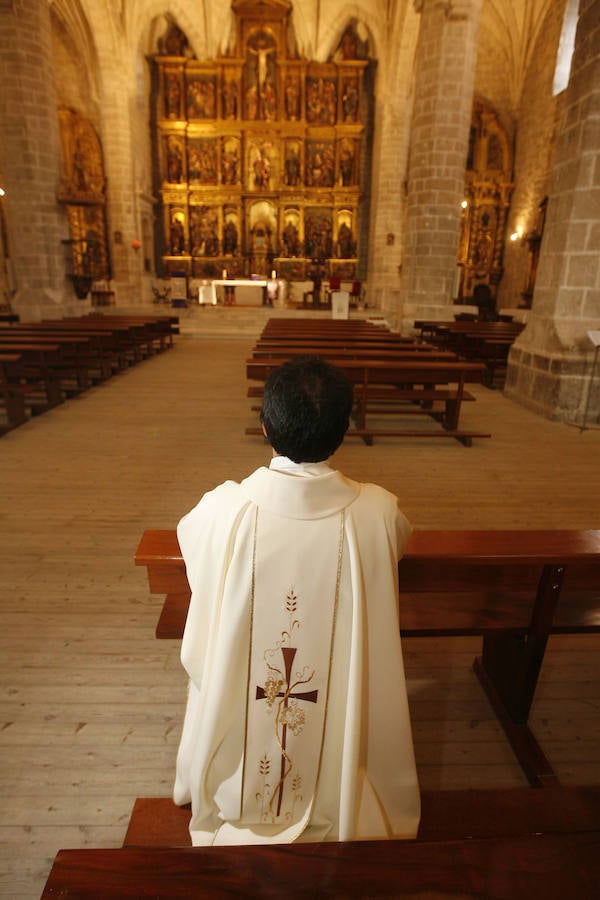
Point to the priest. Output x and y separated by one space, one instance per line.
297 725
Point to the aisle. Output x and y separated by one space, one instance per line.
92 703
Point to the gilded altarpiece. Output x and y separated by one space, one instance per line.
258 152
488 188
82 191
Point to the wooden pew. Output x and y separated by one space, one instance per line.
74 362
92 350
37 373
44 362
334 352
485 342
128 340
551 866
514 588
398 387
12 397
445 815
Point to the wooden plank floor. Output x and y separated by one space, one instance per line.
92 704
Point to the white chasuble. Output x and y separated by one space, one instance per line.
293 614
297 724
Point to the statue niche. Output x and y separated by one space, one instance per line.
261 248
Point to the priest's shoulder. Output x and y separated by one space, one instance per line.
377 495
377 503
229 492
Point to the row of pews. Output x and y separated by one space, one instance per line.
44 363
505 844
396 379
488 343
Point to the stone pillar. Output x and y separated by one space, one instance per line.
444 76
30 161
550 363
122 195
387 213
389 162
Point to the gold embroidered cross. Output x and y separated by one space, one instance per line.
287 693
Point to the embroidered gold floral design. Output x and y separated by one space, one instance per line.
293 717
282 697
272 687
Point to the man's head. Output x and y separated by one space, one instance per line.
306 409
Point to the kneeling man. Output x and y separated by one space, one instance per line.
297 725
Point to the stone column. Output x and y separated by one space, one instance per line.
122 195
444 76
550 363
387 213
30 161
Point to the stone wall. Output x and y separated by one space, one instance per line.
551 362
31 160
537 127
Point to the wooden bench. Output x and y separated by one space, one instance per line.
514 588
356 350
92 350
434 330
485 342
431 388
551 866
12 398
76 364
60 358
36 374
445 815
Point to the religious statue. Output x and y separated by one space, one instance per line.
79 163
269 101
262 53
347 164
261 97
175 42
202 161
230 100
251 102
203 229
349 45
174 160
290 240
318 237
194 165
345 242
260 167
201 99
229 165
230 238
292 97
292 169
350 101
320 164
177 238
172 97
321 101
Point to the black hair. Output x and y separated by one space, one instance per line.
306 408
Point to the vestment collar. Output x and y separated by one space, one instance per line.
322 494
